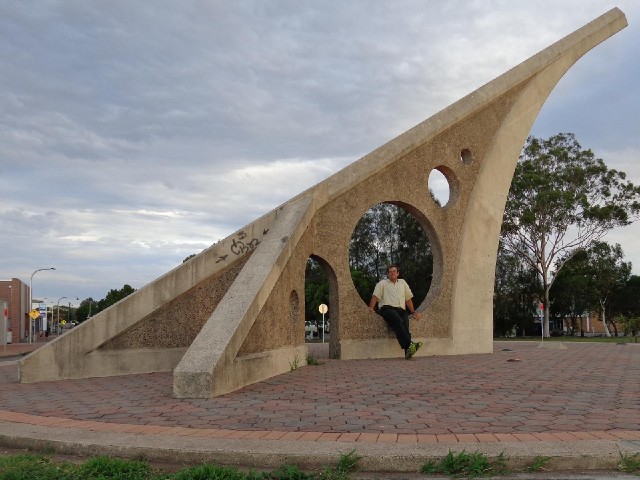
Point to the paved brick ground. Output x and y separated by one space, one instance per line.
519 393
17 349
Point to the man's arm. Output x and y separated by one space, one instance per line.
412 310
372 303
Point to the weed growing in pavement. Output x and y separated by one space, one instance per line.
469 465
629 463
313 361
348 462
499 465
538 463
295 364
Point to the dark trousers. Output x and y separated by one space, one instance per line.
398 320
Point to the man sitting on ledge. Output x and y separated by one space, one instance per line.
393 295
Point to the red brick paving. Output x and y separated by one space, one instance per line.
586 392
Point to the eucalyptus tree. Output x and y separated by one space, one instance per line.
516 290
627 301
609 275
562 200
572 291
593 279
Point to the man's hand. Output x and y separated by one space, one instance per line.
416 315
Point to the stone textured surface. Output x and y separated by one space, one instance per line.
178 323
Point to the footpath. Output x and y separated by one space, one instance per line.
578 408
17 350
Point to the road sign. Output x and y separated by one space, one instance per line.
323 309
34 314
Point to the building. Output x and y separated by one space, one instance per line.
16 293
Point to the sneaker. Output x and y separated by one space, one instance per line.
409 352
418 345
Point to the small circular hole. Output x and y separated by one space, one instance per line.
466 156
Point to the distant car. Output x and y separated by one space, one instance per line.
310 329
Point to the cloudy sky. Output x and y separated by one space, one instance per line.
133 134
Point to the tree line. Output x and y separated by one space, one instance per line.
595 282
89 307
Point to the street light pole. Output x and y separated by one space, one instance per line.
58 322
31 301
9 312
42 325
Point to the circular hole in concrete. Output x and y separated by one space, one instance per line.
466 156
439 187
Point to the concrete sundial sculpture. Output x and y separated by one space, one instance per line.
234 314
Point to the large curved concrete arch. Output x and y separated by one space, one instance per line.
233 314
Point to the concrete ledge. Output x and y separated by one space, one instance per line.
198 447
120 362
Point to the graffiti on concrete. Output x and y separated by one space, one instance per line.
240 245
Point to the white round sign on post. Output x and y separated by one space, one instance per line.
323 309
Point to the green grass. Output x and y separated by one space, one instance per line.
467 465
462 464
313 361
31 467
209 472
629 463
115 469
38 467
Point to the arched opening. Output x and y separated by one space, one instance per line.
386 234
321 287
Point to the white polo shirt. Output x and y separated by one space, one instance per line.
393 294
